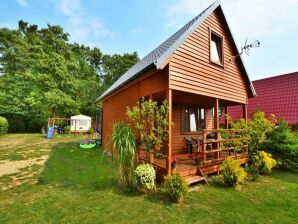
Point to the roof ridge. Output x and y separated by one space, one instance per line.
277 76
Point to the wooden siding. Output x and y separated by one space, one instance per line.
116 104
209 120
191 69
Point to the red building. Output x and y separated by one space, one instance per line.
275 95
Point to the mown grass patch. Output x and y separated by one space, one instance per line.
79 186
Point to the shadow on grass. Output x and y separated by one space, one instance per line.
216 182
284 175
159 198
71 167
155 196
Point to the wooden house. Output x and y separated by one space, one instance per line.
196 72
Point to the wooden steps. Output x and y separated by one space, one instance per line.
194 179
188 172
193 175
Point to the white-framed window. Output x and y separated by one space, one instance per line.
192 119
216 48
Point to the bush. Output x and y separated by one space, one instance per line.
149 121
66 129
175 187
295 127
283 145
3 125
91 131
266 162
232 173
145 176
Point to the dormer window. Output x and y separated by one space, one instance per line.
216 48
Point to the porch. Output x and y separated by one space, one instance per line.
213 152
196 117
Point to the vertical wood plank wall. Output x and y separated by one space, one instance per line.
115 106
191 70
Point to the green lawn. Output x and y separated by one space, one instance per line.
78 186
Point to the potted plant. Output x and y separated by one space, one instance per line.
198 158
174 164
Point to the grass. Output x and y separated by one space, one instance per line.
79 186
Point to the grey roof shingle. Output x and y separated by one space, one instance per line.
160 55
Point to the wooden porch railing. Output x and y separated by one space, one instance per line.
217 146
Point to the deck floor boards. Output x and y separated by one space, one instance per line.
187 167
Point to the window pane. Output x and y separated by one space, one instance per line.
202 113
201 118
216 48
192 119
185 120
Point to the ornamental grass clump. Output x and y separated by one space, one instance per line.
145 177
232 173
175 187
124 151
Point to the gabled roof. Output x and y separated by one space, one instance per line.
277 95
160 55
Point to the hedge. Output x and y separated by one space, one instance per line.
3 125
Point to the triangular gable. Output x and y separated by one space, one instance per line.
160 56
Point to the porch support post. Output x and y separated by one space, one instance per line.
169 153
226 120
216 118
244 109
216 124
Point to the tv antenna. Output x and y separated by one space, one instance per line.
246 49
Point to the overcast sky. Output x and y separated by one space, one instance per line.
141 25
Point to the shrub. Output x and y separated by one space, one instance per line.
175 187
291 158
295 127
266 162
254 133
125 152
258 127
232 173
66 129
150 123
145 176
3 125
283 145
91 131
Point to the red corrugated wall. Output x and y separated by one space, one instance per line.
277 95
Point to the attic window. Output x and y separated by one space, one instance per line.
216 48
